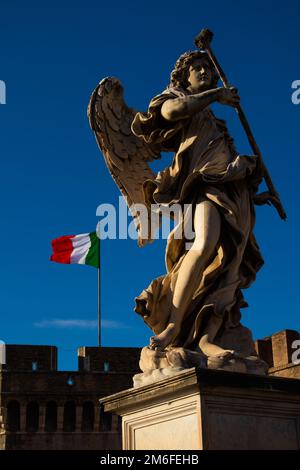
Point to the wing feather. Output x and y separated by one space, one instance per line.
126 155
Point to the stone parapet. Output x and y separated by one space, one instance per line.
210 409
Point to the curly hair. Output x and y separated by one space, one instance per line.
180 73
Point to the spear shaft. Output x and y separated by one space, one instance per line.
202 41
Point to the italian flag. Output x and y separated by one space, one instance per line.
76 249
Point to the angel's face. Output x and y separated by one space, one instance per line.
200 75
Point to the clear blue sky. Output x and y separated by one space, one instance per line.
53 177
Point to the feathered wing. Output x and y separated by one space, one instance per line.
126 155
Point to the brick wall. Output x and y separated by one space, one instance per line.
116 359
30 398
277 351
25 357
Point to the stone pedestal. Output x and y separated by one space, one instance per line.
210 409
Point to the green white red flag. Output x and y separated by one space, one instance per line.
76 249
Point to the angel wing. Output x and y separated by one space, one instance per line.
126 155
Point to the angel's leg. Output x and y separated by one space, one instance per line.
207 223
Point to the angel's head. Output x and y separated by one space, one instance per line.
195 72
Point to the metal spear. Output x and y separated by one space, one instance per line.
203 41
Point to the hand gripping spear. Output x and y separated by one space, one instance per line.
202 41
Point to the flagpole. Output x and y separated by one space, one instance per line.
99 299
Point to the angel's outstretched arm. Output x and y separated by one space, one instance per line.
187 106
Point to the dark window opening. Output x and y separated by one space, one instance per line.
51 417
105 420
119 423
32 417
13 416
88 416
69 417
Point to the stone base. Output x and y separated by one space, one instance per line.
158 365
237 354
210 409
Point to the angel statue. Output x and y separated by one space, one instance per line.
194 309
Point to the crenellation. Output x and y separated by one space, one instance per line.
79 391
277 351
49 408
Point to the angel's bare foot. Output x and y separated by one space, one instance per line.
162 340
